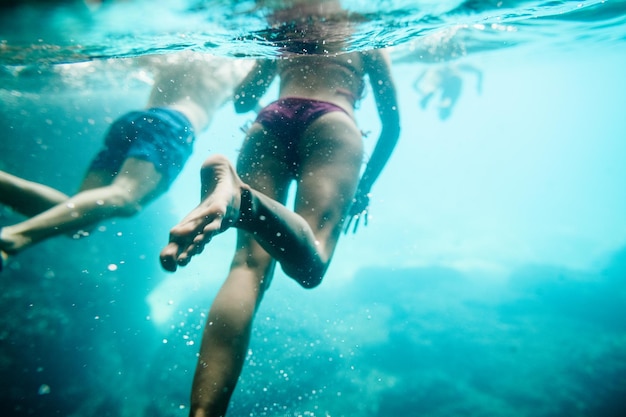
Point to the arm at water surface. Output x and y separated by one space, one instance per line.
248 93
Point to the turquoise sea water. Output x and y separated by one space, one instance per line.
489 281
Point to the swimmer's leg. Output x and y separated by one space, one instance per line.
27 197
135 186
227 202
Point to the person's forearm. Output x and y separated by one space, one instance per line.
249 92
245 103
382 152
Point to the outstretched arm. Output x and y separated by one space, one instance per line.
254 85
477 72
416 83
378 67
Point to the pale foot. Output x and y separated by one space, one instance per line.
218 210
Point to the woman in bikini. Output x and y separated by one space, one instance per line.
308 137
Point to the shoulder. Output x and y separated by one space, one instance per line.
376 57
377 64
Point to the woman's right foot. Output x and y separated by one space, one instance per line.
218 211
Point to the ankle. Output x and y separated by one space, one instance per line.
246 208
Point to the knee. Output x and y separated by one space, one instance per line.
311 282
124 205
307 278
130 210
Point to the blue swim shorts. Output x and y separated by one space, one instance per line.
159 135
